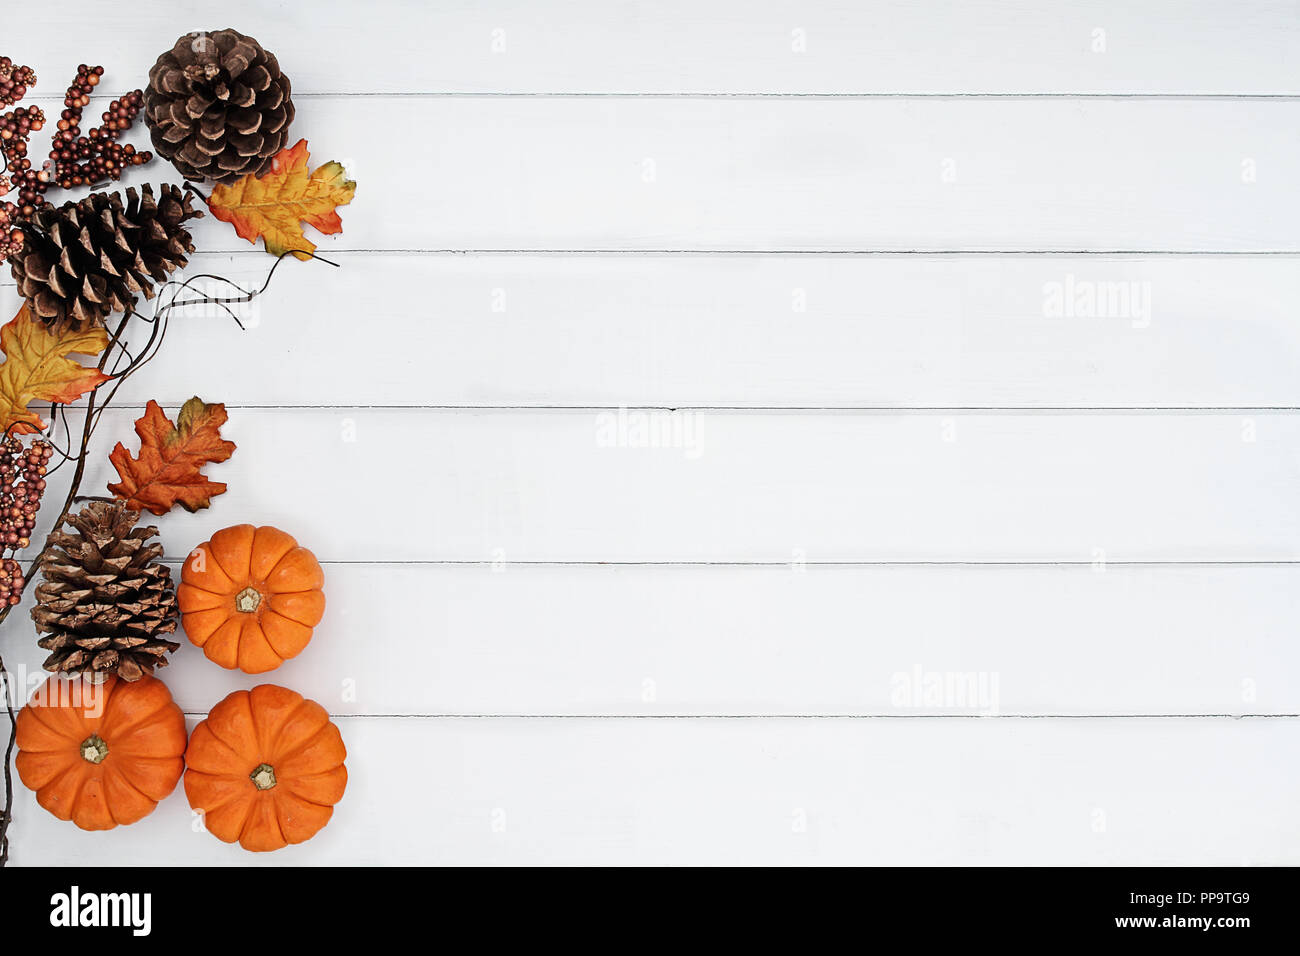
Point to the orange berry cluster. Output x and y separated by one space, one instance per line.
14 81
11 237
15 128
74 159
22 482
87 160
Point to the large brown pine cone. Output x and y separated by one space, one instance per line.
104 603
218 106
81 262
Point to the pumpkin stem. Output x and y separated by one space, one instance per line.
248 600
94 749
263 777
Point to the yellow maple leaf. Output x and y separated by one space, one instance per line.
37 368
273 206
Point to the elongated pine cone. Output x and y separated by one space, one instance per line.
81 262
105 604
218 106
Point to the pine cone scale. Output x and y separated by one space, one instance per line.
65 663
194 107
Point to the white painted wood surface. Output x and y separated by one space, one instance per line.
653 640
588 485
753 331
931 174
781 790
732 46
901 456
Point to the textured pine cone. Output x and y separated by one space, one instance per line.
218 106
104 603
83 261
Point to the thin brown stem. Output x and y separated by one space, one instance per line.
8 691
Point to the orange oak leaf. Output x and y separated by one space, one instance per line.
274 205
167 472
37 368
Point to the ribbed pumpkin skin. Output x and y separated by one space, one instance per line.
142 728
287 579
274 727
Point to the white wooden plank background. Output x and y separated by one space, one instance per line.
783 790
754 331
651 640
732 46
898 460
504 173
572 485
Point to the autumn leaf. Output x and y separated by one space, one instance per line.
37 368
167 472
274 205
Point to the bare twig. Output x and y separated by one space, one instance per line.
9 753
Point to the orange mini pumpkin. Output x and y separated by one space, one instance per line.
250 597
265 768
101 754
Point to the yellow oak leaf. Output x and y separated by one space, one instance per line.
275 205
37 369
